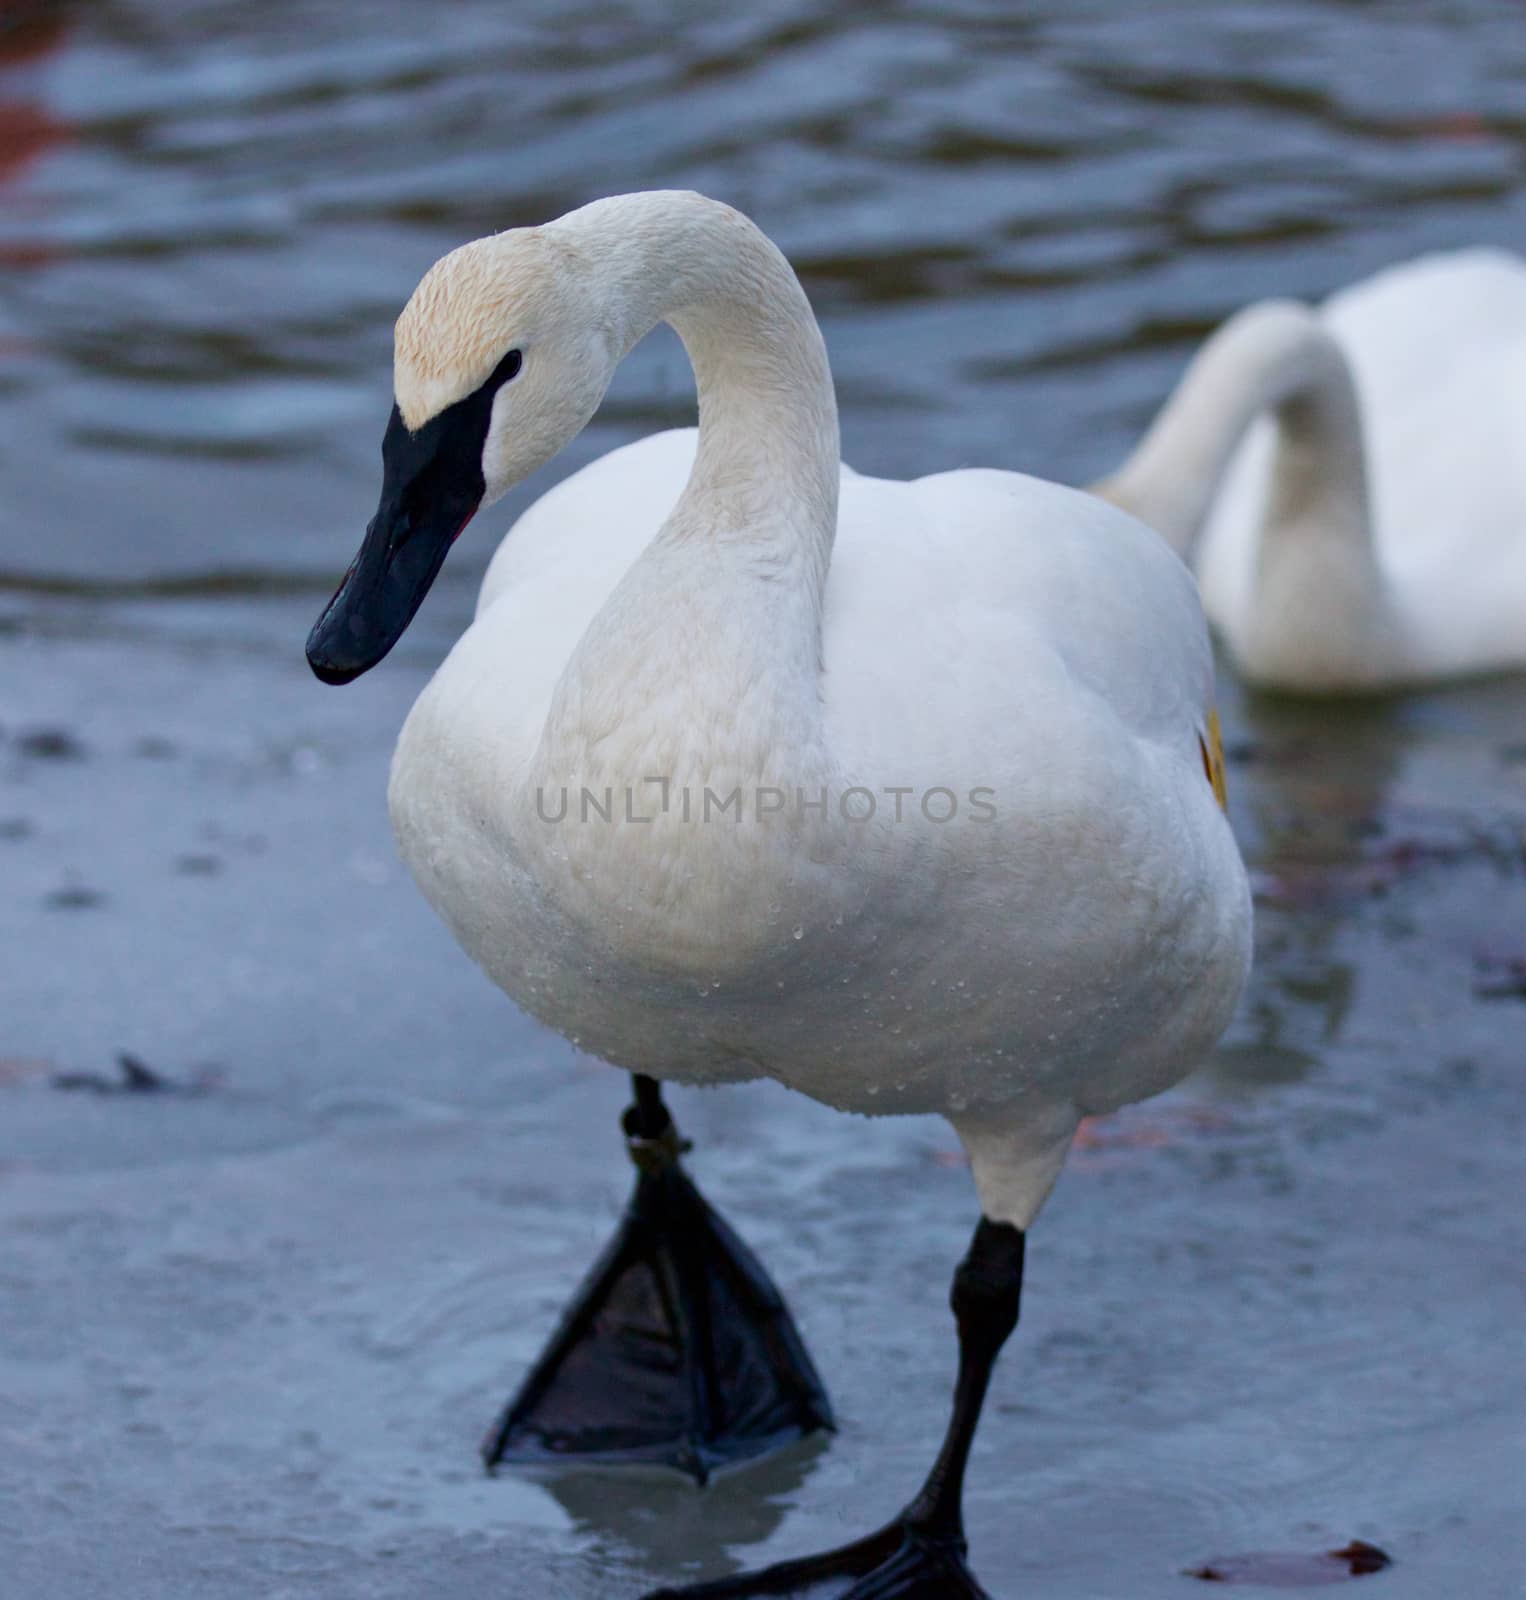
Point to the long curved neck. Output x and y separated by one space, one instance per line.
1273 357
765 477
707 655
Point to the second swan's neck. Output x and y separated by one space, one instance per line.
1273 357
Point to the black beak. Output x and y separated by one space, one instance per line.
431 488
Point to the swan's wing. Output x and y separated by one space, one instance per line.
1404 327
968 615
976 615
1438 347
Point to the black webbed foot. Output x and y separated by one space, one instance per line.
677 1349
921 1555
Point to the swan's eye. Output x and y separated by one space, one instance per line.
506 369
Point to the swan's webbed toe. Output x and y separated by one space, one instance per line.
677 1350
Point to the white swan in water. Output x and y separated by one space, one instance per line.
904 794
1350 482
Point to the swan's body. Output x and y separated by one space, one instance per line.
975 631
639 788
1060 953
1350 482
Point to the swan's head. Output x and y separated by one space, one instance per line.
499 359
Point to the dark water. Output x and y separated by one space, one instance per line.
248 1334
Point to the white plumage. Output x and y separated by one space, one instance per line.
682 612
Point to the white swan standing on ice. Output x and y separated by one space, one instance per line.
1370 533
923 820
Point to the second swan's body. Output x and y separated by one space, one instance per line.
1349 482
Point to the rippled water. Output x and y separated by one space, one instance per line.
1013 229
247 1336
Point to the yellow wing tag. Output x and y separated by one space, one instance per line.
1213 760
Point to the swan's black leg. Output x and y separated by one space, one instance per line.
677 1348
920 1555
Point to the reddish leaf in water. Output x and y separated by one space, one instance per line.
1102 1141
18 1069
1462 127
1355 1560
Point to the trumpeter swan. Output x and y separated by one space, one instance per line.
1350 482
906 795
